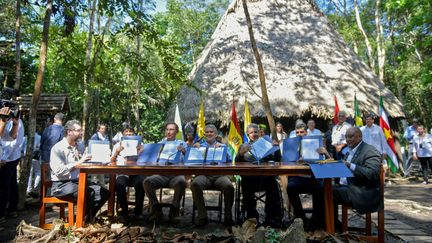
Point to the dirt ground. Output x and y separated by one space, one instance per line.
405 198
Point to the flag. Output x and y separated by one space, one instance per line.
177 121
392 160
234 137
336 111
357 115
247 121
201 122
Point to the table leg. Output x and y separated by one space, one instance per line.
329 210
111 200
82 185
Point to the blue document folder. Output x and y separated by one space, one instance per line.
309 146
204 155
330 170
150 153
291 149
263 148
169 153
195 155
132 138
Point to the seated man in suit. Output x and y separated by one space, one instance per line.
219 182
123 181
178 183
362 190
252 184
66 155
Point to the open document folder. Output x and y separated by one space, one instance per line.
262 148
150 153
204 155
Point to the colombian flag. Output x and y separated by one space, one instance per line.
247 121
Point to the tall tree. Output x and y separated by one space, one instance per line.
381 51
18 45
264 98
366 39
25 167
88 74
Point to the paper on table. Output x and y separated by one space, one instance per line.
130 147
309 149
215 154
100 152
260 148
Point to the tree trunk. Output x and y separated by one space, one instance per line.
381 51
368 45
18 45
25 165
87 99
264 98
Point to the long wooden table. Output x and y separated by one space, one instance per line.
240 168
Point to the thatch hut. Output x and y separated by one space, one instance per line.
306 63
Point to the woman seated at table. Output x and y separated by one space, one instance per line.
124 181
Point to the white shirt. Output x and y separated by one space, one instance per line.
423 145
315 132
374 136
63 159
338 133
12 147
351 152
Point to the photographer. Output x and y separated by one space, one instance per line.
12 135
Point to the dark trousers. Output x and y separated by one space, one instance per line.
96 196
300 185
8 187
269 184
425 162
122 182
340 196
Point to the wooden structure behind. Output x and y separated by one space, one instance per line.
48 103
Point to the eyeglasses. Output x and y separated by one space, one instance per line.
300 132
253 132
77 130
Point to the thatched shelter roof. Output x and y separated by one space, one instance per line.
306 63
48 103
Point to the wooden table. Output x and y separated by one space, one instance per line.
240 168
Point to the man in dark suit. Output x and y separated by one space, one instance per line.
362 190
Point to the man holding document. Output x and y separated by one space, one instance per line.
222 183
120 155
66 156
169 152
252 184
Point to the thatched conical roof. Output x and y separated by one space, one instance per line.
306 63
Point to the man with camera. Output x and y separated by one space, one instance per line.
12 135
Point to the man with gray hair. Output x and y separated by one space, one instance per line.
338 134
252 184
66 156
50 136
219 182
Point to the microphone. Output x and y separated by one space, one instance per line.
169 157
160 152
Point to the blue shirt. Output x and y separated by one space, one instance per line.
50 136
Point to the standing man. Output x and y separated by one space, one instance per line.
338 134
12 135
363 190
101 133
422 151
50 136
178 183
252 184
312 131
66 156
374 135
409 134
222 183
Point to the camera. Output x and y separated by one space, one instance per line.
6 96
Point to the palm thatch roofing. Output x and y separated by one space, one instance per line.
48 103
306 63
